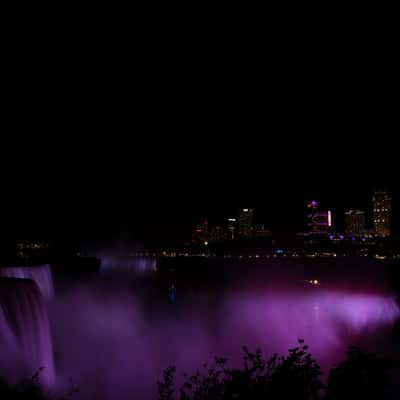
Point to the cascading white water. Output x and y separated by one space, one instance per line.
10 361
25 340
6 334
41 275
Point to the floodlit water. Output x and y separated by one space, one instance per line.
25 339
114 339
117 344
41 275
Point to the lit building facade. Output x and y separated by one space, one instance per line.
231 231
319 222
260 232
200 234
30 250
216 233
355 223
381 213
245 222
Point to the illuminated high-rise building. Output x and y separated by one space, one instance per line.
231 231
216 234
200 234
245 222
381 213
355 223
319 222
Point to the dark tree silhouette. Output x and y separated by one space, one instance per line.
166 386
31 389
27 389
296 376
359 376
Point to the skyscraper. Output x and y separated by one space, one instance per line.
216 234
381 213
319 222
355 223
245 222
231 228
200 234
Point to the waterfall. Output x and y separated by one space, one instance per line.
25 341
7 336
41 275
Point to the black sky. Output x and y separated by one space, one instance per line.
97 143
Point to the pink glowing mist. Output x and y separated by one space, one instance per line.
114 345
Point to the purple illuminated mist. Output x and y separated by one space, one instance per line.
113 345
114 339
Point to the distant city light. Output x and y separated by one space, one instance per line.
245 223
381 213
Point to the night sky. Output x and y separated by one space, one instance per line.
96 150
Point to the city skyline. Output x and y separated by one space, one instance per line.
319 223
150 211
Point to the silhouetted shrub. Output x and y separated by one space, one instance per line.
31 389
359 376
166 386
296 376
27 389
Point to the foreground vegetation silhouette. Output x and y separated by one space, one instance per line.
296 376
31 389
27 389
